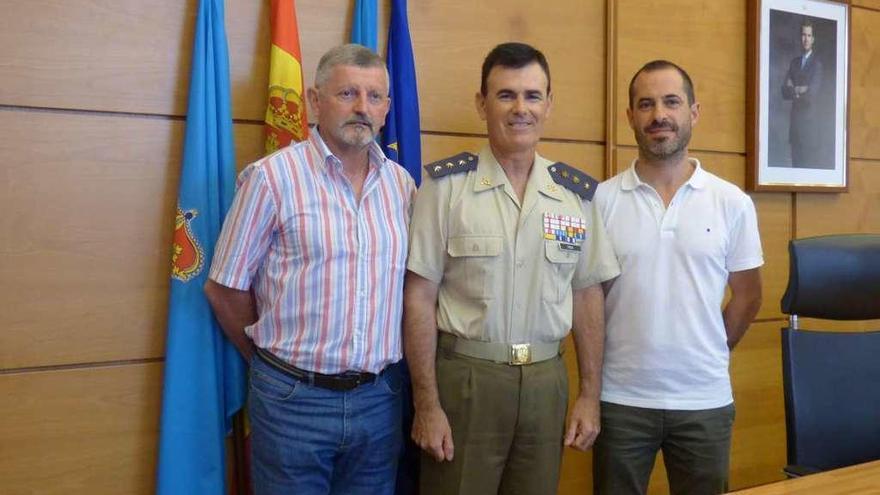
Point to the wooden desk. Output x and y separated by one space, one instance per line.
862 479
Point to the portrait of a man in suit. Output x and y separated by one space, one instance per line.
802 86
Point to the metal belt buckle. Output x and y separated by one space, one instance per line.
520 354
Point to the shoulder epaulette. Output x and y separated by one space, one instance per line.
462 162
573 179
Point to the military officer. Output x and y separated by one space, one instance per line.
506 256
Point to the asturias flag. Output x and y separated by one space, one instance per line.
204 374
401 137
364 24
286 119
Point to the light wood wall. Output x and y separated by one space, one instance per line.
92 99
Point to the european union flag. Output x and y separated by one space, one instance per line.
204 374
401 136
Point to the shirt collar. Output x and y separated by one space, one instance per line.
489 174
631 180
326 157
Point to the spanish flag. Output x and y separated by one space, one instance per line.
286 110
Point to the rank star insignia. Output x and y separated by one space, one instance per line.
437 168
485 181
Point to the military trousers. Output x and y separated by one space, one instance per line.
507 427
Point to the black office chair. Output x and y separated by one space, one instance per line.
831 380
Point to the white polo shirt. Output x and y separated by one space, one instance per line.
666 347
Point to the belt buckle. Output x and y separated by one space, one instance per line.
520 354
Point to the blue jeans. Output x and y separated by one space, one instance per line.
307 440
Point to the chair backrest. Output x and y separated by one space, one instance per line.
835 277
832 397
831 380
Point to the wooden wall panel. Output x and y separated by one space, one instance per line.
123 56
89 431
86 234
758 450
707 39
587 157
452 38
864 122
857 211
774 222
838 326
871 4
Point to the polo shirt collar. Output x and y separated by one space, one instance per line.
631 180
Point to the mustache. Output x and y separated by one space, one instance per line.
360 121
662 125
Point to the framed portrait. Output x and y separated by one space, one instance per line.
798 95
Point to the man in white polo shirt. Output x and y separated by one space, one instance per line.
681 235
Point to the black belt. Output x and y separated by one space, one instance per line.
341 382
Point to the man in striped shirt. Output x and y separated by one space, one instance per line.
307 281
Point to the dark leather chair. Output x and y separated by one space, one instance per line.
831 379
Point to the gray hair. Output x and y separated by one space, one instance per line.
351 55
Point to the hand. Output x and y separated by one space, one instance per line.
583 425
432 433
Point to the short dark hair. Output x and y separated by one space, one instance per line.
513 56
656 65
807 23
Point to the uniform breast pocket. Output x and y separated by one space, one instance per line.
560 262
473 264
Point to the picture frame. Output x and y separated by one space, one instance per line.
798 96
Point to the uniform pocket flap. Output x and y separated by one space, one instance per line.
560 252
472 245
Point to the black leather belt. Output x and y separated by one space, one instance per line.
341 382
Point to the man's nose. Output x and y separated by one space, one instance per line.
360 103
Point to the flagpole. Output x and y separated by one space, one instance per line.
238 448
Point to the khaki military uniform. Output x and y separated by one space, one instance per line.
506 270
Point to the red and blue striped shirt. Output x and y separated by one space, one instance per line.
327 271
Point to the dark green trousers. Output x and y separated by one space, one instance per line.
695 446
507 427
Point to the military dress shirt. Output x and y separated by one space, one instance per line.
505 269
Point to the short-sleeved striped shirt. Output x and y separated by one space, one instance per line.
327 271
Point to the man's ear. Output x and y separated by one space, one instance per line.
480 103
695 112
312 96
629 118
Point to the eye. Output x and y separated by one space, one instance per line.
375 97
645 105
346 94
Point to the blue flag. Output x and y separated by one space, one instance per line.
204 375
401 139
364 30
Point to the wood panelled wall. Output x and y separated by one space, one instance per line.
92 99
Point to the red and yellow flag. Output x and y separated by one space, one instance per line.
286 111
